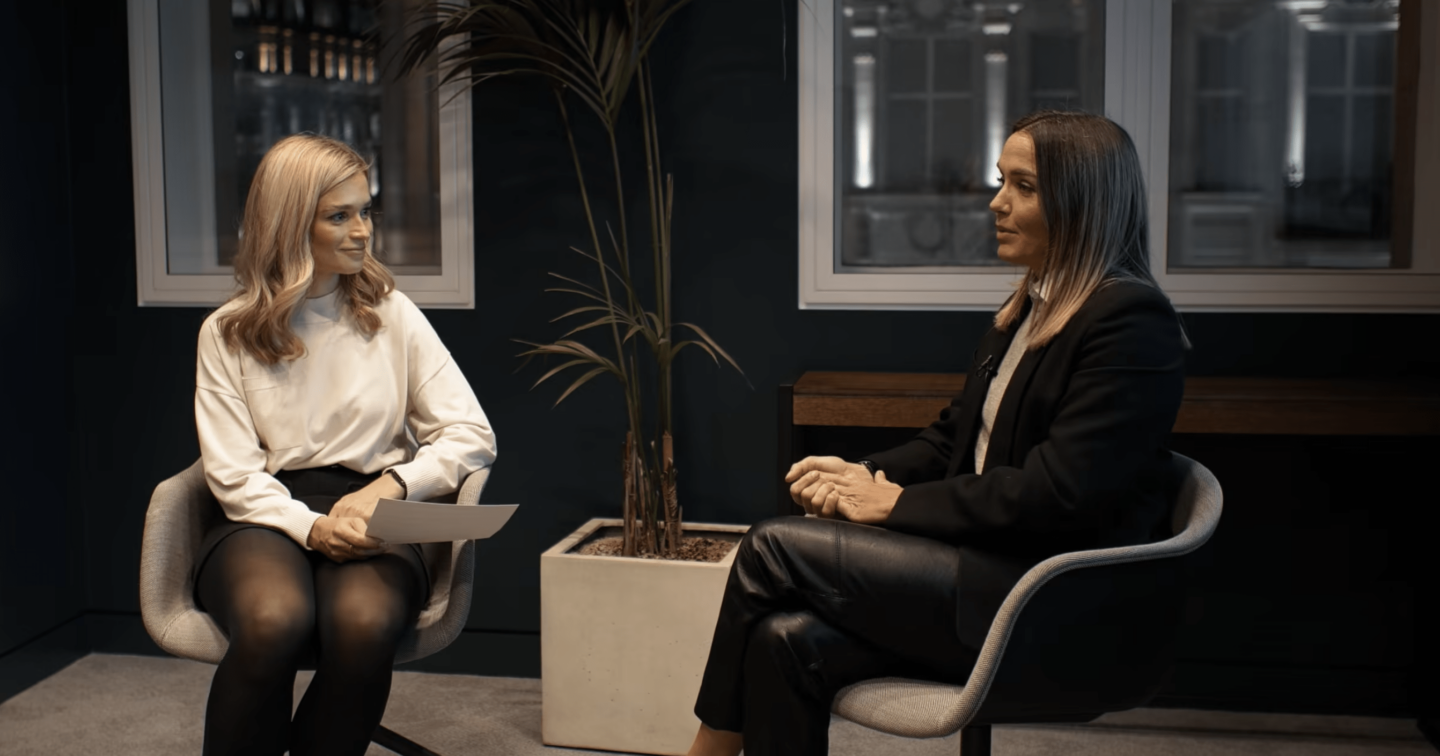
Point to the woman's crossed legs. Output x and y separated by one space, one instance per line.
275 601
814 605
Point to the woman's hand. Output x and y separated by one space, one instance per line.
361 504
343 539
832 487
806 487
867 502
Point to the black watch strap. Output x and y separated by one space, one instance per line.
405 490
868 466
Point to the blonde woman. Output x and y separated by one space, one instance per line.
1056 444
319 390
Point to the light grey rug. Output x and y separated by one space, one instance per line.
155 706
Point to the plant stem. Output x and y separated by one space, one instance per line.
659 244
660 247
628 376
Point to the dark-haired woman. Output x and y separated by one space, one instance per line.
319 390
1056 444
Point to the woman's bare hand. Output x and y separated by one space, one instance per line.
362 503
867 502
343 539
849 493
810 489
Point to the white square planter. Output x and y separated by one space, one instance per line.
623 643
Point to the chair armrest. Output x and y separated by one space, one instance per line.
1198 506
473 485
452 568
180 511
1197 513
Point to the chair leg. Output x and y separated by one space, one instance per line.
975 740
394 741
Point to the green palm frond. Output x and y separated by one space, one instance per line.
572 348
582 284
555 370
710 343
578 310
692 342
577 384
577 292
596 323
621 275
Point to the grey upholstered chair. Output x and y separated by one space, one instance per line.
182 507
1096 639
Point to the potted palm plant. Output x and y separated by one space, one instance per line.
623 640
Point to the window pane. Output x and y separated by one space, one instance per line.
1374 59
952 65
1053 62
928 90
1219 62
953 136
278 68
1326 58
905 65
1222 125
1282 136
905 143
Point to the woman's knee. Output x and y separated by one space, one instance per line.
365 613
810 655
369 626
780 533
781 546
789 644
273 626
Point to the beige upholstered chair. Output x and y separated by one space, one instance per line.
1096 639
181 509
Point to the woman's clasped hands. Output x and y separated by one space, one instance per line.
341 535
831 487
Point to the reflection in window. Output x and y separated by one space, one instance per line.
929 89
1283 133
279 67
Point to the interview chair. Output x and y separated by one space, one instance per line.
182 508
1080 635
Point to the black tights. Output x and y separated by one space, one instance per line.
277 601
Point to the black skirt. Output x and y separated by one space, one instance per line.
318 488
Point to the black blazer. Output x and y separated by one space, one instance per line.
1077 457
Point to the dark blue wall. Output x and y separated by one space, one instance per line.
726 76
41 571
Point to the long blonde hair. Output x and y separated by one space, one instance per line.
1093 196
275 266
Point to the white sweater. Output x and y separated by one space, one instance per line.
394 400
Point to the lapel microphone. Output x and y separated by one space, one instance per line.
987 368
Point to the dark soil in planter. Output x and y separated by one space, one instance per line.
692 548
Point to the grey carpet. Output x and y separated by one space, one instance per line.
155 706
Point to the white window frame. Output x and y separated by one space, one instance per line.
1137 96
453 288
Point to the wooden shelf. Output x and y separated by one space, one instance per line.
1211 405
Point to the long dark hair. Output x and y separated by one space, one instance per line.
1093 196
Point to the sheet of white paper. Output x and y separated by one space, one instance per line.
399 521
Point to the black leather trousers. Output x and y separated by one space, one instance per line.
814 605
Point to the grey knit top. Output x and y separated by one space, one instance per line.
1002 379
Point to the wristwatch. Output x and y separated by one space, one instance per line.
868 466
404 489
